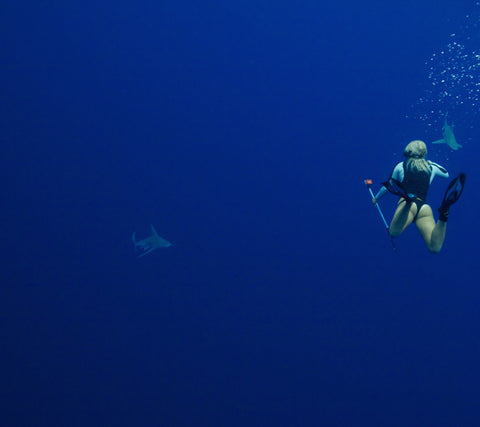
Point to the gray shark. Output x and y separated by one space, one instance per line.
149 244
448 137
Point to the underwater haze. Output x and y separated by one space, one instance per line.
243 133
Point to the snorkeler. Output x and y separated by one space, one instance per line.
410 180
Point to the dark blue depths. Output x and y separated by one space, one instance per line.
243 132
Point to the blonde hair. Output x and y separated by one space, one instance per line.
415 153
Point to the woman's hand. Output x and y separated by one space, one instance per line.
374 201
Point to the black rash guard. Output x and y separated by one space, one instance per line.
416 183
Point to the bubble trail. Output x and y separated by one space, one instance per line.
453 80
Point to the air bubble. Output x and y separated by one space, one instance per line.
453 79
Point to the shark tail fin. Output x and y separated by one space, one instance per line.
439 141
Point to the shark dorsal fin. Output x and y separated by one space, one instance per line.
154 232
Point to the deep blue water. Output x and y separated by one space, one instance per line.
243 131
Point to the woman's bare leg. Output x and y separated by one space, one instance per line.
433 234
402 218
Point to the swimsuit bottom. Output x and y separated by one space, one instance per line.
418 202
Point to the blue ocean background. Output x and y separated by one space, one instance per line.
243 131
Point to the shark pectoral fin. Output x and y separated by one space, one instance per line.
145 253
439 141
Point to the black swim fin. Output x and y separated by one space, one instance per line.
453 193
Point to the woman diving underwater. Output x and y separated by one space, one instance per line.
410 180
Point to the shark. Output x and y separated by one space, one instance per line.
149 244
448 137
